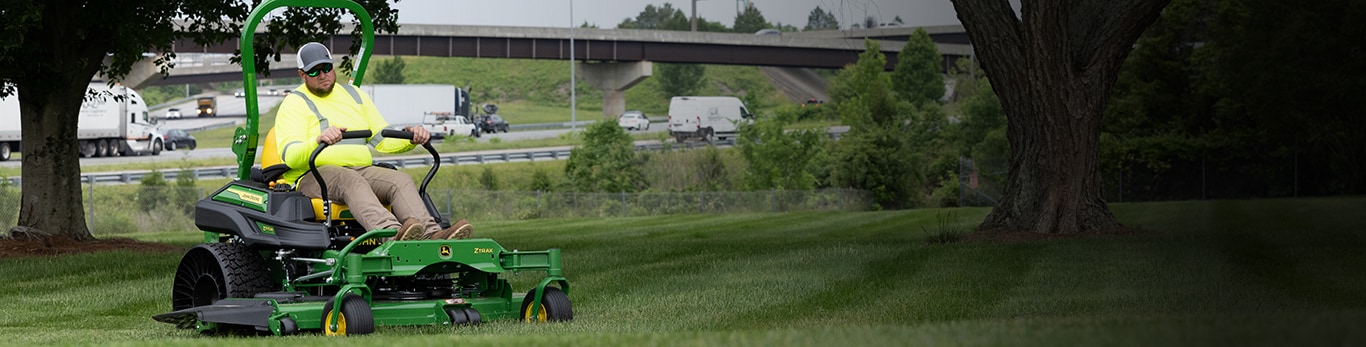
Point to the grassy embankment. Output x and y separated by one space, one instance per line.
1264 272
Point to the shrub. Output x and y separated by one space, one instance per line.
152 194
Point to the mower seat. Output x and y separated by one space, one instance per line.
273 167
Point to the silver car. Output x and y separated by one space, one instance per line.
633 120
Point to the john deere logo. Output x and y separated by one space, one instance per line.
445 251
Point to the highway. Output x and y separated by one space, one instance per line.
232 112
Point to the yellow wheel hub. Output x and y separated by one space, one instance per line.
341 325
538 317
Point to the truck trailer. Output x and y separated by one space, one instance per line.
114 123
443 109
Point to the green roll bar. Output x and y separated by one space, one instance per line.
245 138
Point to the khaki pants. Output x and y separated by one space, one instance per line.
366 189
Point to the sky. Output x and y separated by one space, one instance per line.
608 13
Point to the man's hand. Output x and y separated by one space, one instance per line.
331 135
420 134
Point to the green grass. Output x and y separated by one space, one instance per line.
1265 272
522 113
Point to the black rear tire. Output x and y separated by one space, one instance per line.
215 271
555 306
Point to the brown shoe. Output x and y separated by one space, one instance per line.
410 230
460 230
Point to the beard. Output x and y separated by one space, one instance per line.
321 91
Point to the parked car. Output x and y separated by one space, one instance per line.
633 120
173 113
176 138
491 123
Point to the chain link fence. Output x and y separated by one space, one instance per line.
981 182
121 209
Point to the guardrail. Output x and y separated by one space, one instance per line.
125 177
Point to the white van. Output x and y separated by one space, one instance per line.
702 117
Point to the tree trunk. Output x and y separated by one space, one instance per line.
1053 71
50 98
51 183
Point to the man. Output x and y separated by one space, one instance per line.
318 112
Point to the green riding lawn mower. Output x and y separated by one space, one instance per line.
277 262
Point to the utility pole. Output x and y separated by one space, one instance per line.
573 95
694 15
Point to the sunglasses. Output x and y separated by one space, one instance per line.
319 70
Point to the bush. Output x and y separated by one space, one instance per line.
606 162
540 181
152 194
778 158
186 193
488 180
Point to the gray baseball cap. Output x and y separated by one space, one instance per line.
312 54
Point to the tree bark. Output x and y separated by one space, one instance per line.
50 98
51 183
1053 69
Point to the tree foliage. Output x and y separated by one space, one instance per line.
606 162
821 20
388 71
680 79
76 40
918 77
658 18
778 158
751 20
1268 112
674 79
876 154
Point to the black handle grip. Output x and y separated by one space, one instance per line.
396 134
356 134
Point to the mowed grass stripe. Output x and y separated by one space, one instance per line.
1286 272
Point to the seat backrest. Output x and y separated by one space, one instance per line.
271 161
272 167
270 154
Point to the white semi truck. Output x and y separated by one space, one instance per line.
443 109
108 125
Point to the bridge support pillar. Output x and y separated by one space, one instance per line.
614 79
143 73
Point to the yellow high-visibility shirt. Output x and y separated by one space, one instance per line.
303 116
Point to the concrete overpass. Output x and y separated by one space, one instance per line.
616 58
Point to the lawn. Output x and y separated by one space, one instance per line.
1260 272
